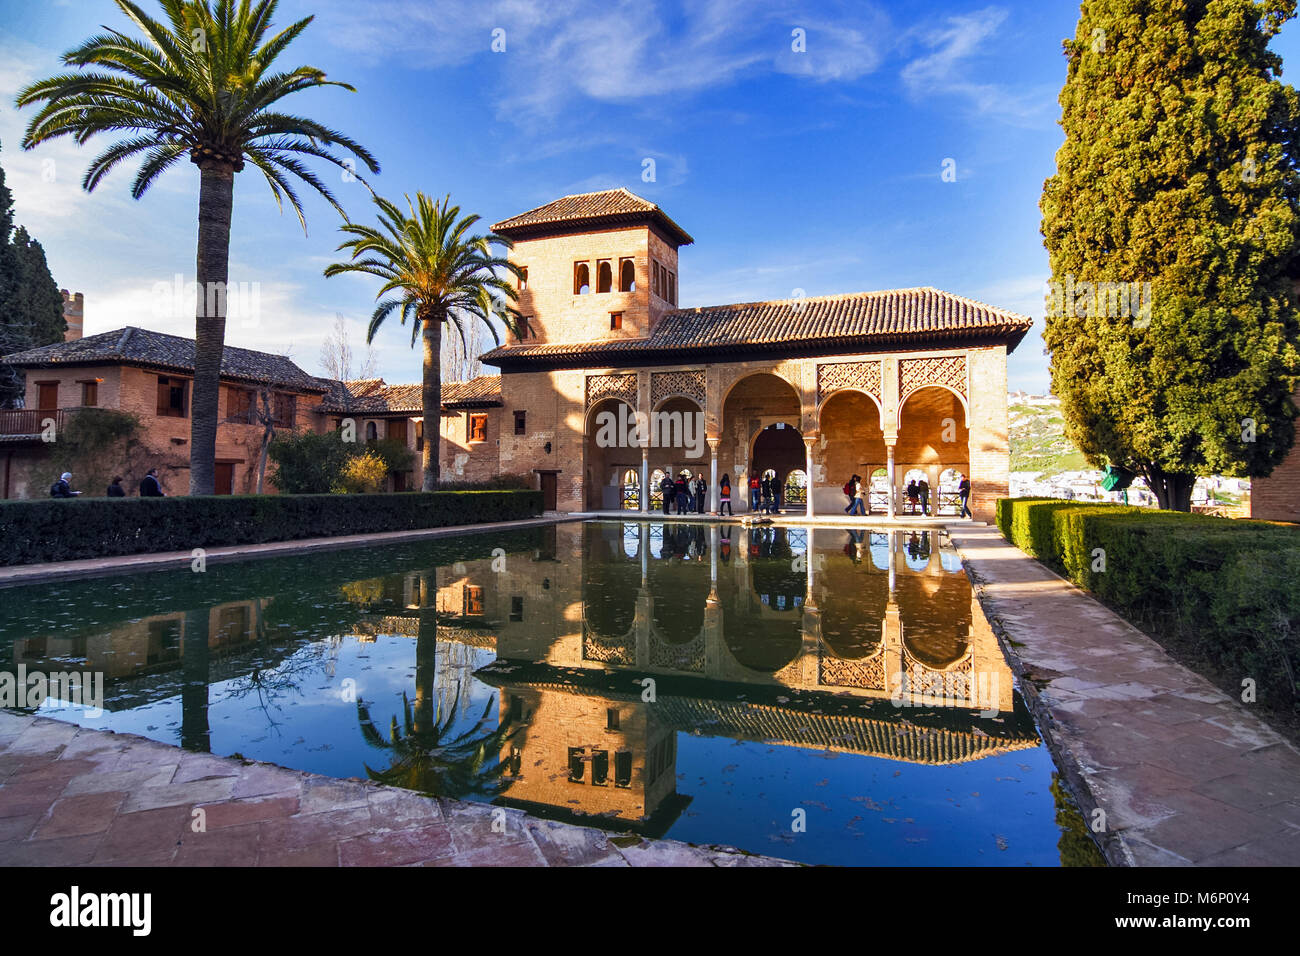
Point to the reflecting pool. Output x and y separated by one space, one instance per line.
823 695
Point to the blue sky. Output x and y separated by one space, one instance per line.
818 171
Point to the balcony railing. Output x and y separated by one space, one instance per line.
27 424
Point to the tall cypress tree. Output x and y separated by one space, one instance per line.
31 306
1179 169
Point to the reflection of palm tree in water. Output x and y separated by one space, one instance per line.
426 752
195 733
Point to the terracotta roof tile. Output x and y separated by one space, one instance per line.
137 346
376 397
860 320
609 206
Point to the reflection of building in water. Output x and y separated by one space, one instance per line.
140 648
722 620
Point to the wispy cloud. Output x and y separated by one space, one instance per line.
952 67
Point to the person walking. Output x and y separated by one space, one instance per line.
755 491
63 487
115 489
911 496
701 493
923 492
859 506
667 491
149 486
963 491
849 489
724 494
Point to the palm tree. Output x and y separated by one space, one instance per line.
443 275
199 85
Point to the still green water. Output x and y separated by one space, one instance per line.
822 695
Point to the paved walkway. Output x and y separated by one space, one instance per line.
1184 773
70 796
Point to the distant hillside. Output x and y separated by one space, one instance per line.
1037 439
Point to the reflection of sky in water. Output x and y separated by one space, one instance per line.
286 700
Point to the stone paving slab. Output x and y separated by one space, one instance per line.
72 796
1184 773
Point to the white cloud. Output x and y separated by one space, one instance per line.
949 71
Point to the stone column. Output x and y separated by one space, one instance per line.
808 469
645 481
893 562
810 558
643 549
889 474
713 476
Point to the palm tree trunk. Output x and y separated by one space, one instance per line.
216 196
432 399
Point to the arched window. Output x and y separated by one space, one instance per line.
796 487
604 276
631 490
581 278
627 275
656 493
371 431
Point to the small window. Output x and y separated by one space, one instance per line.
611 718
90 394
581 278
372 431
473 602
604 276
523 279
477 428
672 287
626 275
419 434
575 764
623 768
285 409
516 708
599 768
615 320
657 285
171 397
516 608
239 405
521 423
525 327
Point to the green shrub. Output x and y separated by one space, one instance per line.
393 452
1230 589
307 463
61 530
362 474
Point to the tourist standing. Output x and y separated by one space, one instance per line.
911 496
963 490
766 490
701 490
776 494
666 490
681 490
755 491
923 492
115 489
724 493
149 486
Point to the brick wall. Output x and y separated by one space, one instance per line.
1277 497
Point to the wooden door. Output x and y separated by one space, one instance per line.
225 478
47 396
549 485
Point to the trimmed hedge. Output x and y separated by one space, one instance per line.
1229 588
61 529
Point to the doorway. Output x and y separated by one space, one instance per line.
549 485
224 483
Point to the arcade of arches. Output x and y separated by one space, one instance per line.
816 422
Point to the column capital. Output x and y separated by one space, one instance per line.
811 440
713 444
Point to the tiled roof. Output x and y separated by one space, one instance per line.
144 347
373 396
608 207
858 321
